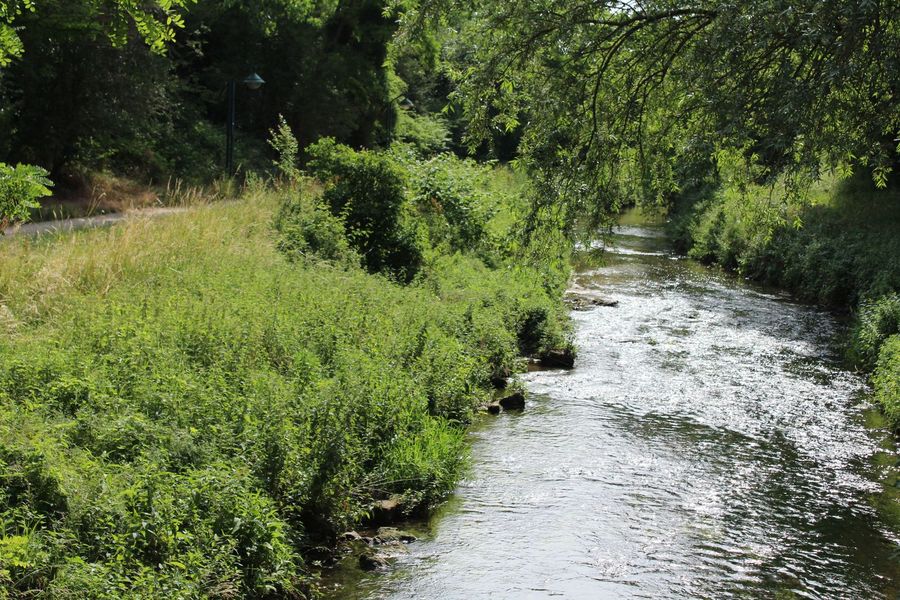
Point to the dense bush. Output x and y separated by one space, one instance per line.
309 229
836 245
876 322
428 134
450 196
20 187
887 379
367 191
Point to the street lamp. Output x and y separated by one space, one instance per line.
251 82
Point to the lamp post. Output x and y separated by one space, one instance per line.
251 82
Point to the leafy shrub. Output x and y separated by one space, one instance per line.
28 480
191 150
887 379
449 194
20 187
426 466
24 564
536 333
121 439
307 228
367 191
877 321
450 376
428 134
834 245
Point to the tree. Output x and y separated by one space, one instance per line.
82 98
621 98
88 80
324 63
155 20
76 101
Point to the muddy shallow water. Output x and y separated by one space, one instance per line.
707 445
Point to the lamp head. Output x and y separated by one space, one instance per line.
253 82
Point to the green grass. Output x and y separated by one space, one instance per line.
184 410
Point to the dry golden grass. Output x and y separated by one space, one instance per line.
38 275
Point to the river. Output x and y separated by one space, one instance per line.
707 445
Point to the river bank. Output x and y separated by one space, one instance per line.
197 404
708 444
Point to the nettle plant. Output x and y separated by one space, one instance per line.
20 188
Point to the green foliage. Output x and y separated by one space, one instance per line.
876 322
887 379
285 145
450 195
156 21
324 63
89 94
428 134
23 562
367 191
20 187
832 244
425 467
613 98
308 229
91 104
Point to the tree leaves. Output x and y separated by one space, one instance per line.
620 97
20 187
156 21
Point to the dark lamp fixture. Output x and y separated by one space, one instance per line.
253 82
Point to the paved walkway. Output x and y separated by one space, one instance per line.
64 225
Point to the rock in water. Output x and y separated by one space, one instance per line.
392 534
494 408
351 536
387 511
513 402
372 562
562 359
584 300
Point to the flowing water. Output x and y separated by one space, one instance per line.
708 445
